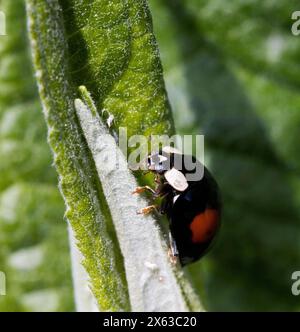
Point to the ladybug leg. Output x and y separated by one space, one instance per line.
173 259
157 178
139 190
148 209
173 252
173 245
164 204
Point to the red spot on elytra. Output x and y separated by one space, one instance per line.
204 225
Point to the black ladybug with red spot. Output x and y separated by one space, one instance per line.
191 200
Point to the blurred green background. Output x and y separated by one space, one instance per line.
232 73
34 251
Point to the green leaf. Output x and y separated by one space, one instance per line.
109 47
112 51
33 237
154 285
86 211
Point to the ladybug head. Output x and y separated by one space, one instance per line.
158 163
163 160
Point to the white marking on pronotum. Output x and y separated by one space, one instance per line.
175 198
176 179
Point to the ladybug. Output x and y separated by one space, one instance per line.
193 207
